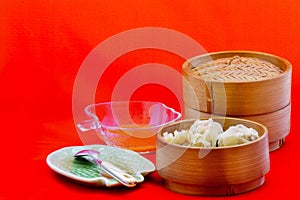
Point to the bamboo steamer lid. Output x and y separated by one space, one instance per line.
277 122
250 87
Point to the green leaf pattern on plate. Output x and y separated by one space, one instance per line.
84 168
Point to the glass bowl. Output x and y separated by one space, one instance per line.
128 124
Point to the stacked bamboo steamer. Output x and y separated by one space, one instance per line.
244 84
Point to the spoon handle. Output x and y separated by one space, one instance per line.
121 176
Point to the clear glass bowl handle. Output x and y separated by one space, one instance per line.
88 125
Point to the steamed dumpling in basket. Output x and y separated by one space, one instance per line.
238 134
207 130
202 133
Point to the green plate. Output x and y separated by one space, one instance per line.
63 162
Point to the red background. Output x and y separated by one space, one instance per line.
43 43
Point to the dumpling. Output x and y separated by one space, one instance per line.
209 130
202 133
178 137
198 140
238 134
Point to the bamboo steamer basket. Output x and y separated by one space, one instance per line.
278 123
216 171
237 98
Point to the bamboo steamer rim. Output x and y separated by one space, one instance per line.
260 55
261 137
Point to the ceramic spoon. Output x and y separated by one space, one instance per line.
118 174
